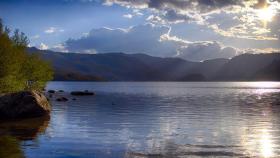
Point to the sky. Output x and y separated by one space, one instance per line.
195 30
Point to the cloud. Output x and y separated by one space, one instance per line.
52 30
175 17
261 4
258 51
149 39
229 18
187 9
248 24
129 16
200 51
59 48
134 13
137 12
201 6
137 39
274 26
43 46
243 31
90 51
155 19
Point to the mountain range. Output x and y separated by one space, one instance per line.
142 67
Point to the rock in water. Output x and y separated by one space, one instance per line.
81 93
62 99
51 91
23 104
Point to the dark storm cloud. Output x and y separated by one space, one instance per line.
173 16
174 11
48 2
208 5
184 10
200 5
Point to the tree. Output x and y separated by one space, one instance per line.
37 72
20 70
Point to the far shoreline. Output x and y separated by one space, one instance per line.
167 81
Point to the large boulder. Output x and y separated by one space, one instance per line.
23 104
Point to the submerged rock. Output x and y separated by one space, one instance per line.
82 93
25 104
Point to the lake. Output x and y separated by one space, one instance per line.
154 119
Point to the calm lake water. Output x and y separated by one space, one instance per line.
155 119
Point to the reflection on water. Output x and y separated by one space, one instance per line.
12 132
130 119
10 147
266 144
25 129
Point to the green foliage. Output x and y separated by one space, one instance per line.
18 69
37 71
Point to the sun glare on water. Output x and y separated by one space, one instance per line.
266 144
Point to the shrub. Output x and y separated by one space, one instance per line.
20 70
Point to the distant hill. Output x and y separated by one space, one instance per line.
142 67
248 67
270 72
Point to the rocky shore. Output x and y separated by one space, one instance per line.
24 104
29 104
